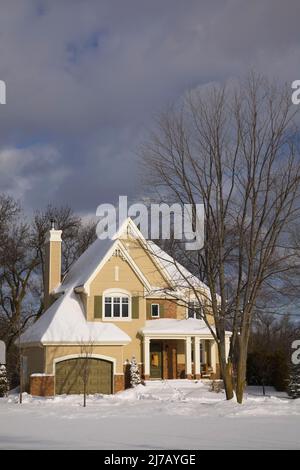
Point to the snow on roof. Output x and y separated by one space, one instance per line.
86 264
178 274
65 322
168 326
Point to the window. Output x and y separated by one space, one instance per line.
194 310
116 306
155 310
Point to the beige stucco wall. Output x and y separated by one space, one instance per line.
55 352
145 263
35 362
129 282
105 279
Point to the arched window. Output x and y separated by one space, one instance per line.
116 305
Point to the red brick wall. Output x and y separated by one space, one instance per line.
169 310
119 383
42 385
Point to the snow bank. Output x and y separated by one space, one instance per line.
161 415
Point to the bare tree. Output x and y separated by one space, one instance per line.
84 372
77 236
22 265
234 149
18 262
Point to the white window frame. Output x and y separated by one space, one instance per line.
155 316
120 293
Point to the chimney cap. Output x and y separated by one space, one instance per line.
53 235
52 222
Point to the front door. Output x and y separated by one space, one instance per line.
155 360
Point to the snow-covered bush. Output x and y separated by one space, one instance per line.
294 382
3 381
135 376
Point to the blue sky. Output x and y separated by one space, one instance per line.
85 80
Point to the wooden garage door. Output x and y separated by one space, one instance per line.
69 376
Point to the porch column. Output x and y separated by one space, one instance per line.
146 344
213 355
227 346
188 357
197 361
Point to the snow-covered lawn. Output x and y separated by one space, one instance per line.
163 415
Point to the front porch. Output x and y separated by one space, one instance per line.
180 349
190 358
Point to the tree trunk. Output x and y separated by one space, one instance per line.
228 382
241 374
226 372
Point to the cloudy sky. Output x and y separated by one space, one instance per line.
85 79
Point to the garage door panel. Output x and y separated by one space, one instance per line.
69 376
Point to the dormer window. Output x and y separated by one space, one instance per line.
116 306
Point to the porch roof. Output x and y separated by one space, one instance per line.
172 327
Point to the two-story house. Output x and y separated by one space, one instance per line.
115 302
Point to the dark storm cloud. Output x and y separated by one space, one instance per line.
84 79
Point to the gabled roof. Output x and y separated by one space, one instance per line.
65 322
93 259
86 264
177 274
90 263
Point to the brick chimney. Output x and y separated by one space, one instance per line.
52 263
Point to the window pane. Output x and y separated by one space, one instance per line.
154 310
125 307
194 310
117 309
107 309
191 313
